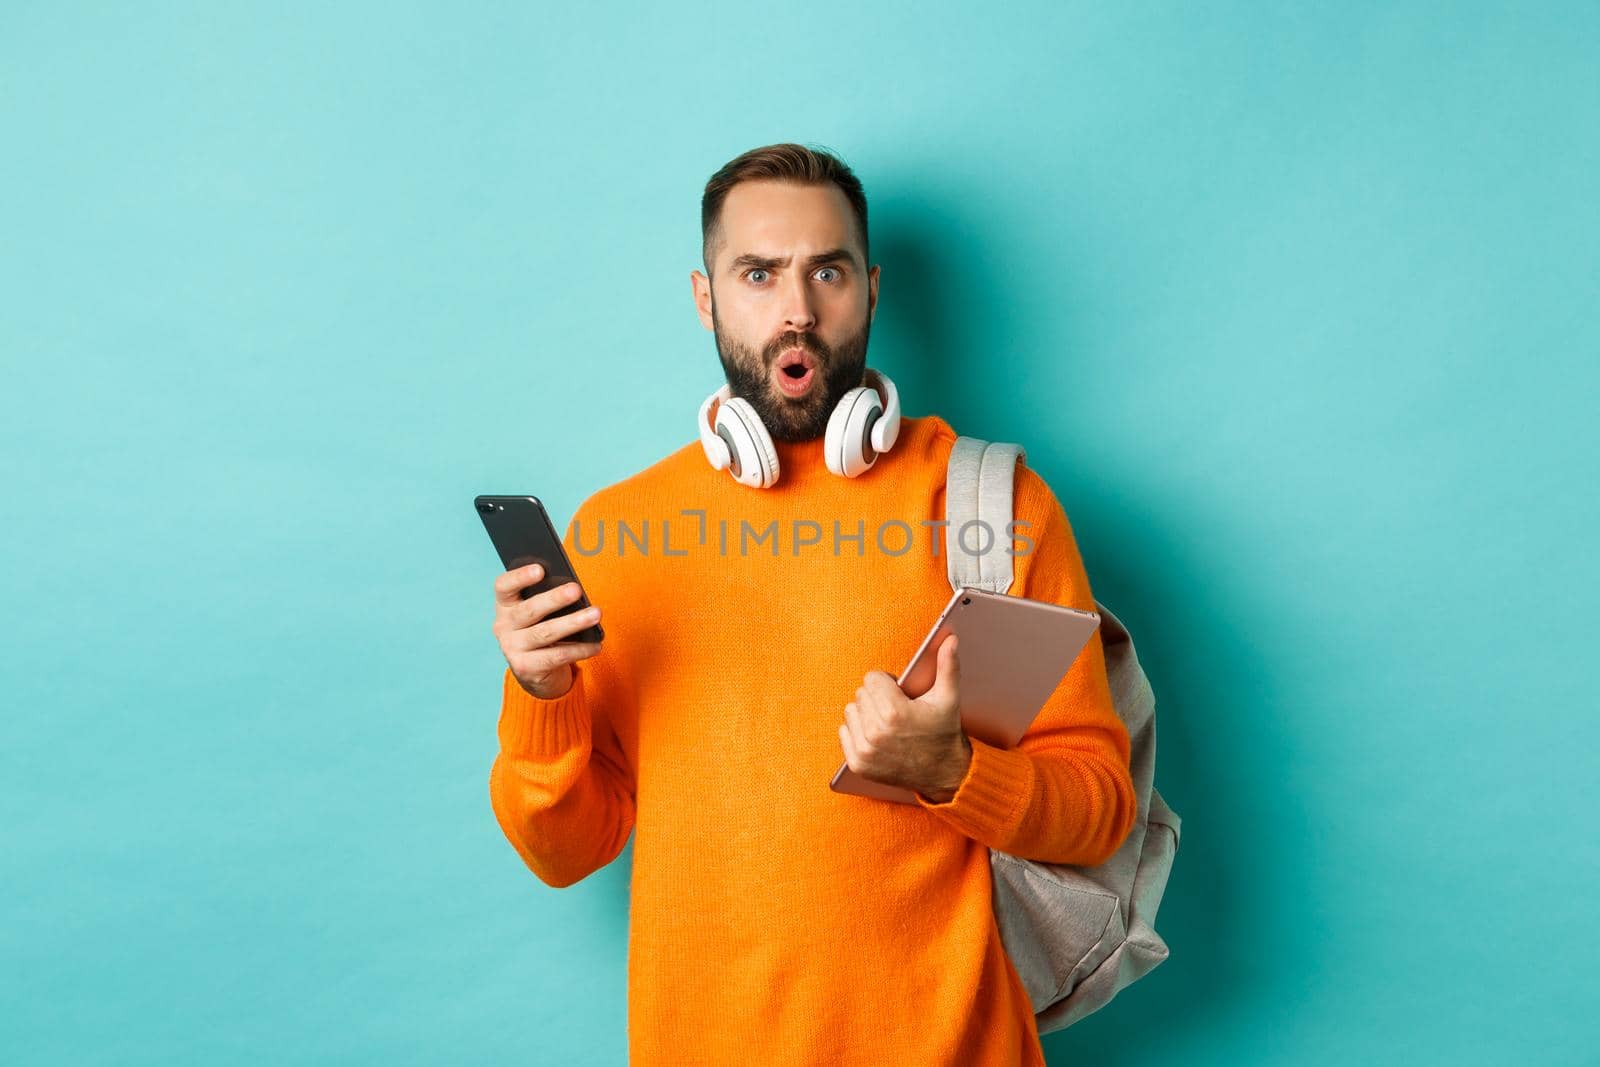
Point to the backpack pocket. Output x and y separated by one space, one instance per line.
1056 924
1131 948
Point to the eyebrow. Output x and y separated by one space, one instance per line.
832 255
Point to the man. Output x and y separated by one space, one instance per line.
774 920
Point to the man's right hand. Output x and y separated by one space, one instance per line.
539 659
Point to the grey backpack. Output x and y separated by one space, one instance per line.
1076 935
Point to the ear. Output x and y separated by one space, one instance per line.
872 292
702 298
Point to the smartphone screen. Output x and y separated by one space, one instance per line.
523 534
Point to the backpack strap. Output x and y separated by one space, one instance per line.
978 500
1075 935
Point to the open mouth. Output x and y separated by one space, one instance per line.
796 370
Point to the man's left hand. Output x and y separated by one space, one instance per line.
915 744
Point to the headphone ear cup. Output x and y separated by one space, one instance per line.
718 452
847 445
754 460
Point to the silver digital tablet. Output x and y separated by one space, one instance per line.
1014 652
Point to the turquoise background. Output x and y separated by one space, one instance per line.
1293 305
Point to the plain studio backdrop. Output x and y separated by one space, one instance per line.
1292 305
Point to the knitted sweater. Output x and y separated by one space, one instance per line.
774 921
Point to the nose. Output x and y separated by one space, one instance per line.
799 313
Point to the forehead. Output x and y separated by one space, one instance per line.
773 218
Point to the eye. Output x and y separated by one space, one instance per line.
751 274
829 270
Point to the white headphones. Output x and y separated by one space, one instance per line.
863 426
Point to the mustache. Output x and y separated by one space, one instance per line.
797 340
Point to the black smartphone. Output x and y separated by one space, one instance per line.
523 534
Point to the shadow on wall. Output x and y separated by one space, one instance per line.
934 312
957 299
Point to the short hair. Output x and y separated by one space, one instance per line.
779 162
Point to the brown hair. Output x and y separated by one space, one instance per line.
779 162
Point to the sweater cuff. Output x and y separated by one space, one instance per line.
532 726
991 798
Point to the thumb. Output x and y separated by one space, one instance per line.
947 679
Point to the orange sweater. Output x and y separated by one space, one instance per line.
774 921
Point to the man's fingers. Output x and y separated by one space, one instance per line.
880 682
852 721
541 605
950 658
947 680
543 660
851 759
509 586
552 630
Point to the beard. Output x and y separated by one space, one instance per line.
805 418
